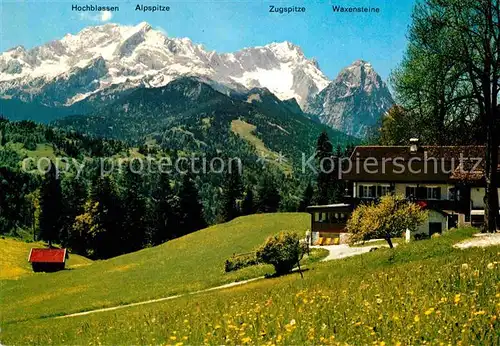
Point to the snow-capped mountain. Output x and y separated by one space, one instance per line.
120 57
354 102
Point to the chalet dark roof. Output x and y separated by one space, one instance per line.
47 256
446 152
438 164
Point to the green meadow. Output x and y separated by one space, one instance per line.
187 264
424 292
14 255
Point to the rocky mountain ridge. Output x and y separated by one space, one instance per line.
66 71
354 102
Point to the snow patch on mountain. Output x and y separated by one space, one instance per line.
64 71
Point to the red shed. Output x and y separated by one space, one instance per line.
47 260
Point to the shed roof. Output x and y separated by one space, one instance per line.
330 207
47 256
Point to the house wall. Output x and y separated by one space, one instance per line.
477 197
47 267
434 216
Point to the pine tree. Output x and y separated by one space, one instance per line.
248 204
3 140
134 210
107 215
50 206
231 192
325 168
164 221
192 209
307 198
268 194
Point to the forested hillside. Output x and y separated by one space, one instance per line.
93 195
191 116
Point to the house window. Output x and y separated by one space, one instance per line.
452 194
367 191
411 191
385 190
433 193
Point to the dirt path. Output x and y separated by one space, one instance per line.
335 252
344 250
232 284
480 240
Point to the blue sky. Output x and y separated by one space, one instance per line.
334 39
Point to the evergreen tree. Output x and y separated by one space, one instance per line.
307 198
163 221
3 140
50 206
191 208
107 215
248 204
268 194
231 192
133 205
324 155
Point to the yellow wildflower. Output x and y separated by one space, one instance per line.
246 340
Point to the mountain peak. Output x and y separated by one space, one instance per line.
143 26
360 62
140 55
285 48
354 101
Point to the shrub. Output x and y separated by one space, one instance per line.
283 251
236 262
421 236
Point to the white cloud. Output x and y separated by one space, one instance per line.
106 15
102 16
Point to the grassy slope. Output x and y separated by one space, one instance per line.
14 255
246 131
186 264
423 292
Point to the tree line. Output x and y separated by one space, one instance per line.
105 215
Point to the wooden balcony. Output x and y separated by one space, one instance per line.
327 227
330 218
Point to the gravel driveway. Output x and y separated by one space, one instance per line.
480 240
344 250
